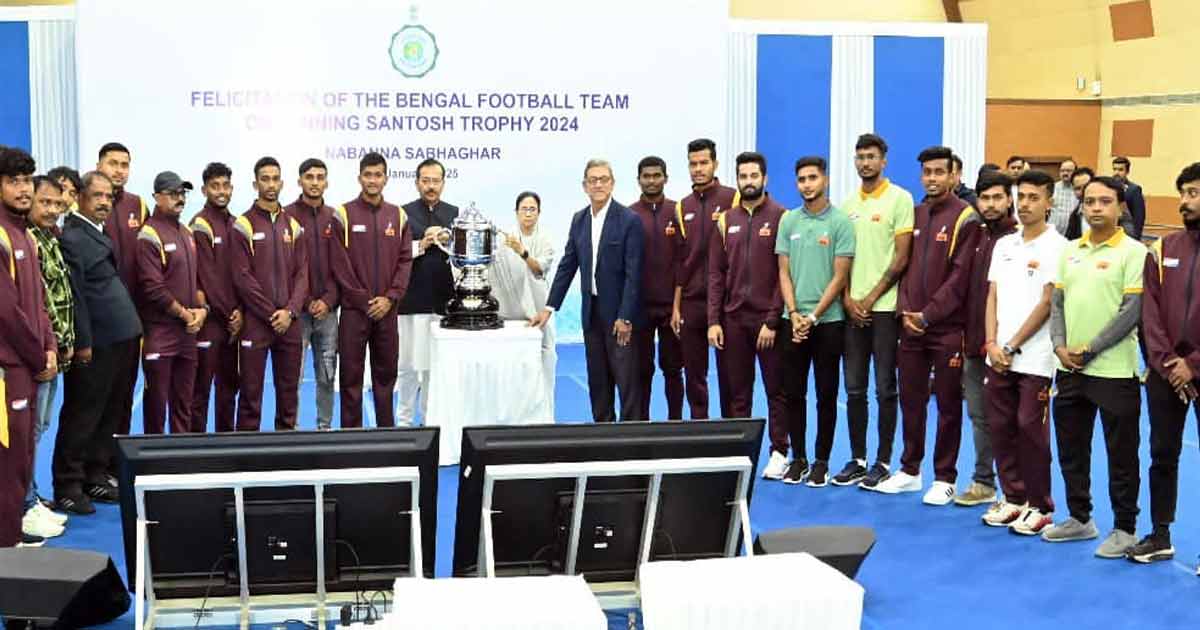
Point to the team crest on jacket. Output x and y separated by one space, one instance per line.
287 236
133 222
328 231
414 50
389 230
670 231
764 230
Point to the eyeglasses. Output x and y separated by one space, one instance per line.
428 181
597 181
528 210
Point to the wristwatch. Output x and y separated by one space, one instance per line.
1011 350
525 255
812 319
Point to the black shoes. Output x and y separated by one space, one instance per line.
79 504
102 493
796 471
852 473
875 476
1152 548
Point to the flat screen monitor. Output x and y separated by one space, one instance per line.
531 519
193 535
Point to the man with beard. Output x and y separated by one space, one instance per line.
657 214
931 301
372 264
216 344
270 271
318 319
1095 309
745 306
882 215
815 246
996 212
430 287
28 351
1172 329
695 216
107 332
1020 359
169 304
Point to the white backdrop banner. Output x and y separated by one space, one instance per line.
510 95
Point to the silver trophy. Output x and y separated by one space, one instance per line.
471 243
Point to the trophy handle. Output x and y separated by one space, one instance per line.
447 234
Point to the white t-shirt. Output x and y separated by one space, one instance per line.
1021 270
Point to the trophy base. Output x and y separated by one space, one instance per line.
472 313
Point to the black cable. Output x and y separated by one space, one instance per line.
539 553
670 541
208 589
360 595
385 599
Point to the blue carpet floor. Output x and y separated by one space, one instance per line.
931 568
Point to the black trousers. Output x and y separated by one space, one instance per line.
1119 402
1168 416
93 405
878 340
821 351
610 365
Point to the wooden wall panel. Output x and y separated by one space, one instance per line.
1131 20
1042 128
1133 138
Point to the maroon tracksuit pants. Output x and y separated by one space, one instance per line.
285 354
1018 415
694 349
16 461
918 355
356 332
737 360
169 380
216 363
670 361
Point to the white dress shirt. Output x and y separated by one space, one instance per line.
597 227
99 227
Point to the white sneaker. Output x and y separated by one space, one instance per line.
1032 522
940 493
899 482
776 466
1003 514
48 514
35 524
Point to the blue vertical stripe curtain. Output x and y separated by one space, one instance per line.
37 102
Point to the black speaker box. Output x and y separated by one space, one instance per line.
843 548
59 588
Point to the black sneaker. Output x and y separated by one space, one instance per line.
29 540
852 473
111 480
796 471
1151 549
102 493
75 505
818 477
876 475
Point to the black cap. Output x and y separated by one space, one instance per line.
168 181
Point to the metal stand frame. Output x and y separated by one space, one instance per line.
238 482
739 521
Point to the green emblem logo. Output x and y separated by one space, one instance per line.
414 50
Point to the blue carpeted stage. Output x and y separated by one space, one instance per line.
932 567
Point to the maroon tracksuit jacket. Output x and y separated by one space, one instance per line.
660 259
270 270
977 284
743 296
129 212
25 338
166 272
217 354
695 216
373 259
318 225
935 284
1171 301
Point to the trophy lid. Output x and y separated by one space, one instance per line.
471 219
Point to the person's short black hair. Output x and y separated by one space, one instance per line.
991 179
47 180
956 162
109 147
217 169
1083 170
427 162
60 173
15 161
868 140
1111 183
1189 174
90 177
1123 161
936 153
1014 158
1038 178
988 167
752 157
311 163
374 158
1071 160
525 195
649 160
812 160
701 144
264 162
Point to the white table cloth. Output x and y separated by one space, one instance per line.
791 591
554 602
485 377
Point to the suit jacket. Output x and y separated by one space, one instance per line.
105 313
1137 207
618 271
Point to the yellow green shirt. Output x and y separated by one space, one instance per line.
1094 280
878 217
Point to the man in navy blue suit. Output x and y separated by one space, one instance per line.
605 245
